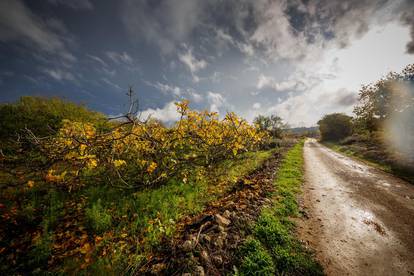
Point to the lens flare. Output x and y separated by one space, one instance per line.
399 126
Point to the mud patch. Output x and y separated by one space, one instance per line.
367 218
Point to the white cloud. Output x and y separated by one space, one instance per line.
257 106
165 88
223 40
167 114
114 85
269 82
276 34
196 97
192 63
224 37
247 49
216 101
58 74
97 59
120 58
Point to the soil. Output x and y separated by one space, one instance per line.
358 219
206 244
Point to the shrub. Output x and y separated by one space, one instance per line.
135 153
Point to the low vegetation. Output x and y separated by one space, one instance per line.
272 248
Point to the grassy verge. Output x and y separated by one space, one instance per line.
386 167
272 248
101 229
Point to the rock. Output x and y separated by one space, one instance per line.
221 229
204 256
218 260
187 245
219 242
200 222
222 220
199 271
227 214
207 238
158 268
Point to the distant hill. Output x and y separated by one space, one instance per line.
303 130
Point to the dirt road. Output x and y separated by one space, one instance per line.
360 221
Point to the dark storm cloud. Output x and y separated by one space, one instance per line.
407 18
19 24
213 52
346 98
322 21
74 4
346 19
163 23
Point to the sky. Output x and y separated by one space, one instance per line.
298 59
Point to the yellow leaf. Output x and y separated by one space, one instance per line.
30 183
82 148
85 248
118 163
151 168
92 163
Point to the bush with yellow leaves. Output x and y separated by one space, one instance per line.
136 153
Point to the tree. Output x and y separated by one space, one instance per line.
381 100
272 124
334 127
41 115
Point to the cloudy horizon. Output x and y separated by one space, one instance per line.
297 59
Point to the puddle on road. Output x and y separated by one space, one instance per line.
350 163
364 222
384 183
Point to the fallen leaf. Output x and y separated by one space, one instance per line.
85 248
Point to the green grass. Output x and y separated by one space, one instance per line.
272 234
131 224
386 167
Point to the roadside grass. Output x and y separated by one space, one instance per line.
272 248
101 229
386 167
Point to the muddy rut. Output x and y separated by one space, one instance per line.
359 220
